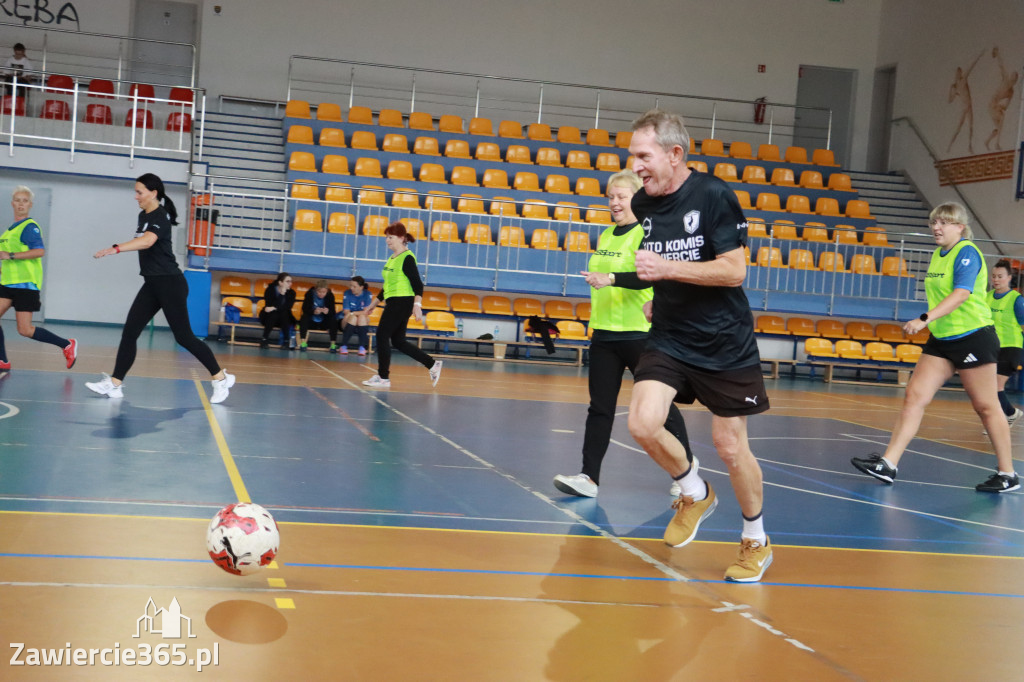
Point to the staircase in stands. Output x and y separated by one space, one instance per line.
894 202
247 153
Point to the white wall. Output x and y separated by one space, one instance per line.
88 213
927 40
682 46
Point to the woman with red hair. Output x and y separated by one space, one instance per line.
402 296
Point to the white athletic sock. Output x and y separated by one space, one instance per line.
692 484
754 530
1008 475
889 464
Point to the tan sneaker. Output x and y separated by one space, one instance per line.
753 561
689 515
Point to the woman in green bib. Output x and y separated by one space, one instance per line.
962 340
1008 315
617 298
402 296
21 278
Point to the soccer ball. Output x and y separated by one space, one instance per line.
242 538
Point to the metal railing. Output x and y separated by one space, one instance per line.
87 120
99 55
471 95
261 223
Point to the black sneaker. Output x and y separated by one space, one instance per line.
264 343
872 465
998 483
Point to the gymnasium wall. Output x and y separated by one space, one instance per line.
684 46
928 40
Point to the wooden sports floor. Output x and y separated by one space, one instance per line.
421 538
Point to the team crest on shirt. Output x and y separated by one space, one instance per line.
965 262
647 227
691 221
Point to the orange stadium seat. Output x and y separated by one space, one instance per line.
598 137
421 120
465 303
832 329
332 137
426 146
450 123
481 126
741 150
396 143
329 111
361 115
341 223
390 118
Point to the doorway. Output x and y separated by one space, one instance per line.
157 62
819 86
882 97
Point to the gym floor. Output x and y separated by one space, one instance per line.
421 537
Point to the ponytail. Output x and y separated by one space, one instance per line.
172 212
153 183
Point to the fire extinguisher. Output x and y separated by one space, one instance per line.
760 105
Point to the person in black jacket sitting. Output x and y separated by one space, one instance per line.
277 309
318 312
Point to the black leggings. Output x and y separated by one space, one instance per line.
608 360
170 294
329 324
279 317
393 323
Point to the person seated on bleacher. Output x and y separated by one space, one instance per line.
17 64
353 315
318 313
278 300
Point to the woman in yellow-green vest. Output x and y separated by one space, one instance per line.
402 296
1007 308
620 327
21 278
963 339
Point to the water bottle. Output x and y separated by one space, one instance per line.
222 313
495 331
459 333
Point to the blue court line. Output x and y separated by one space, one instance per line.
541 574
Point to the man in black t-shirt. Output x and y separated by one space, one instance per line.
702 344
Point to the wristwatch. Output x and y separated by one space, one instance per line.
924 317
611 278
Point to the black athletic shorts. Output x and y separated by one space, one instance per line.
24 300
977 348
729 393
1009 360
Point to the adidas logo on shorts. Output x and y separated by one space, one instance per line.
970 358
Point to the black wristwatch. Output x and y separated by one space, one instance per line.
924 317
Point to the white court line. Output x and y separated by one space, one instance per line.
870 503
11 411
643 556
344 593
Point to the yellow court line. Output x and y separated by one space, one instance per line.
470 531
225 454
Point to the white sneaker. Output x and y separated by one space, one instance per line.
579 485
220 388
1015 416
376 382
435 372
676 490
105 387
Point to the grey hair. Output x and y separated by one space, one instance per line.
669 129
